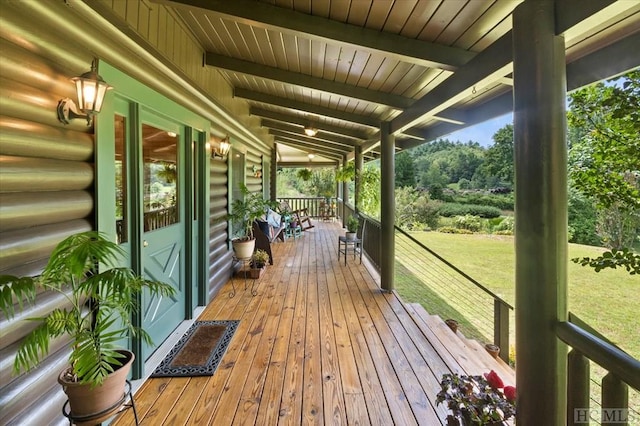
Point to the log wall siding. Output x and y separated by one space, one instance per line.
47 173
219 254
46 194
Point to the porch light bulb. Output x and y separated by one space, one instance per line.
311 156
310 131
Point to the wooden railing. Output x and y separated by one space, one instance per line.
318 207
623 371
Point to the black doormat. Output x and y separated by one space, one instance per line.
199 351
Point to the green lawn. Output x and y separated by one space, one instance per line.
609 300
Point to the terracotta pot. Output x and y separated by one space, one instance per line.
244 248
92 405
453 324
492 349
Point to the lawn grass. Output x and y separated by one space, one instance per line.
608 301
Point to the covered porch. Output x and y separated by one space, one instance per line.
318 343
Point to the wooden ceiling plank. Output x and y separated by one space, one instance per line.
392 45
302 80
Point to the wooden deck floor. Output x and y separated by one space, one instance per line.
318 344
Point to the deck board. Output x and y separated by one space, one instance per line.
320 343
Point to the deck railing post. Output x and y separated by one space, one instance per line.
501 328
577 388
615 401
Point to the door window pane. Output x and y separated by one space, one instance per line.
122 231
160 184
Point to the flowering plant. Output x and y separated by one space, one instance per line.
476 400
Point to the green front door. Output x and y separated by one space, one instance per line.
163 223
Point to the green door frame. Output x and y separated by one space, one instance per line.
129 91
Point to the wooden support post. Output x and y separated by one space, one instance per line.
578 384
541 244
388 206
358 178
615 401
501 328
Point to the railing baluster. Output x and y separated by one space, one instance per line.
577 388
615 401
501 328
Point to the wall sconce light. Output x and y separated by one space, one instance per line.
222 149
310 131
90 88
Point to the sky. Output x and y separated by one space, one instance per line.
481 133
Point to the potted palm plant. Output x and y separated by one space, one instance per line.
243 213
101 300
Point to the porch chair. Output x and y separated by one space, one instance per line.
301 215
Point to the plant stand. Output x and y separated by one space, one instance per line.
97 418
245 272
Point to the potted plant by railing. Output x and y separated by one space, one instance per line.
243 213
352 227
101 301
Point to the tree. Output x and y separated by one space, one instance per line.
405 170
498 160
605 165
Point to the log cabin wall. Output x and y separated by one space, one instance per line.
219 254
47 173
46 194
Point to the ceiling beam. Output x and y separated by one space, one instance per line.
614 59
263 15
307 147
314 164
306 81
301 121
296 131
306 108
491 64
318 139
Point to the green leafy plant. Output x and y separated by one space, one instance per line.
353 223
346 173
476 400
244 211
260 258
101 301
304 174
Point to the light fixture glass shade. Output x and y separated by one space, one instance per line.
91 89
311 156
224 147
310 131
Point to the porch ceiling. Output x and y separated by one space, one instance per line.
428 67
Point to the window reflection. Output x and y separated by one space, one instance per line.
160 185
122 232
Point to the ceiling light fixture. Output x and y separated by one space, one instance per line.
91 89
310 131
311 156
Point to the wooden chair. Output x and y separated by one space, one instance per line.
301 215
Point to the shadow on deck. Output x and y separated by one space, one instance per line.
319 343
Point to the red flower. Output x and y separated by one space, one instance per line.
494 380
510 393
